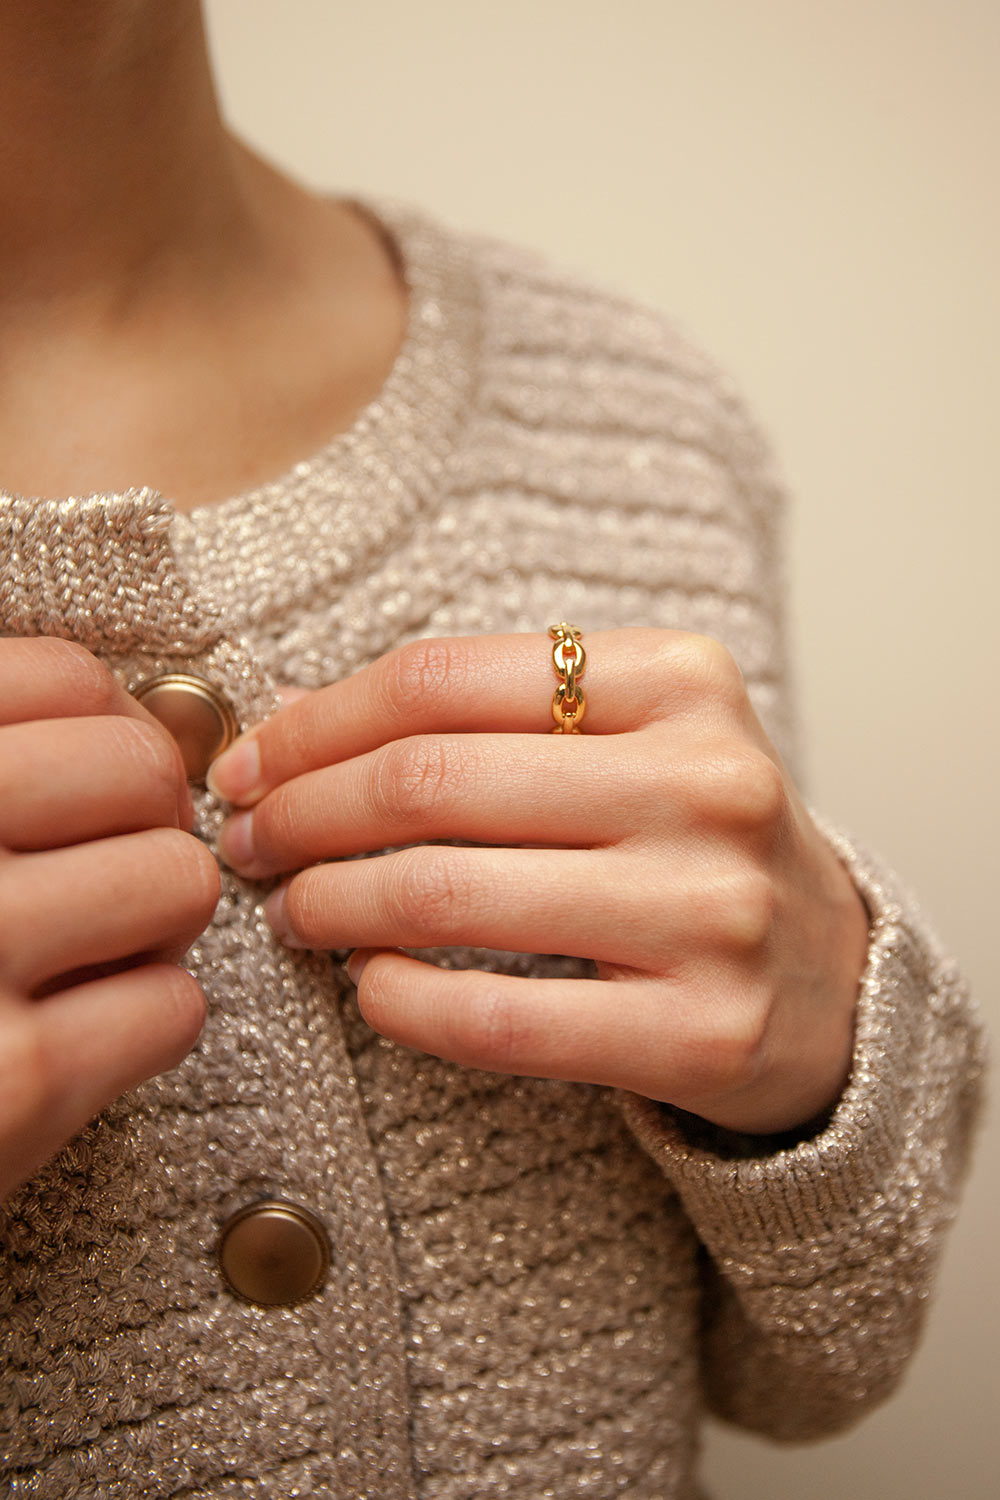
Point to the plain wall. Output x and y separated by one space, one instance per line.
814 190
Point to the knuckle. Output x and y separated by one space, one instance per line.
290 750
183 1010
703 667
278 819
413 778
763 795
79 676
13 782
155 753
208 886
493 1036
17 896
738 1049
746 791
305 909
419 675
425 894
190 871
377 999
27 1078
751 910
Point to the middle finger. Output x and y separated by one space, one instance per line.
510 789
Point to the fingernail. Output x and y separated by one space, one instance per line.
235 775
355 964
274 911
236 842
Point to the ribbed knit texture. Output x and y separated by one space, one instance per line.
521 1303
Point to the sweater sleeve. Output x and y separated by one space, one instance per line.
820 1253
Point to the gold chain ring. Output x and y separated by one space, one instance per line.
569 659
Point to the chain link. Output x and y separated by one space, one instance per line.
569 659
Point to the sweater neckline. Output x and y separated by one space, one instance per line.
262 552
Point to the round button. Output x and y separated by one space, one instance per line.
274 1253
197 716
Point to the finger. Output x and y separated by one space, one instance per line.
469 685
525 900
65 1058
90 904
624 1034
598 905
45 678
502 789
64 781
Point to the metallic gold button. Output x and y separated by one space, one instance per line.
197 716
274 1253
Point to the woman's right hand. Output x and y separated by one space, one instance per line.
102 891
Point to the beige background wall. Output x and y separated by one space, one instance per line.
815 190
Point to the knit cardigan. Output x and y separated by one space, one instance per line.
536 1287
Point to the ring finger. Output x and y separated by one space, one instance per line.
138 894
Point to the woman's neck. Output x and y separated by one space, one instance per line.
173 311
114 157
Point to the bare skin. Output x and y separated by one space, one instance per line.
175 313
667 844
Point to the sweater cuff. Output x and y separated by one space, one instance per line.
916 1060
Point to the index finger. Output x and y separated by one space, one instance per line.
43 677
460 684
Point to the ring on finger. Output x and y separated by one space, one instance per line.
569 703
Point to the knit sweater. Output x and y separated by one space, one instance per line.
536 1287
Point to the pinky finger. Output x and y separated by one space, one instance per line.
66 1057
588 1030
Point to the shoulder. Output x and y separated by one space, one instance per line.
543 307
560 349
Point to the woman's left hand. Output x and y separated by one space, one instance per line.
666 843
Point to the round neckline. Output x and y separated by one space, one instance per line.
261 551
